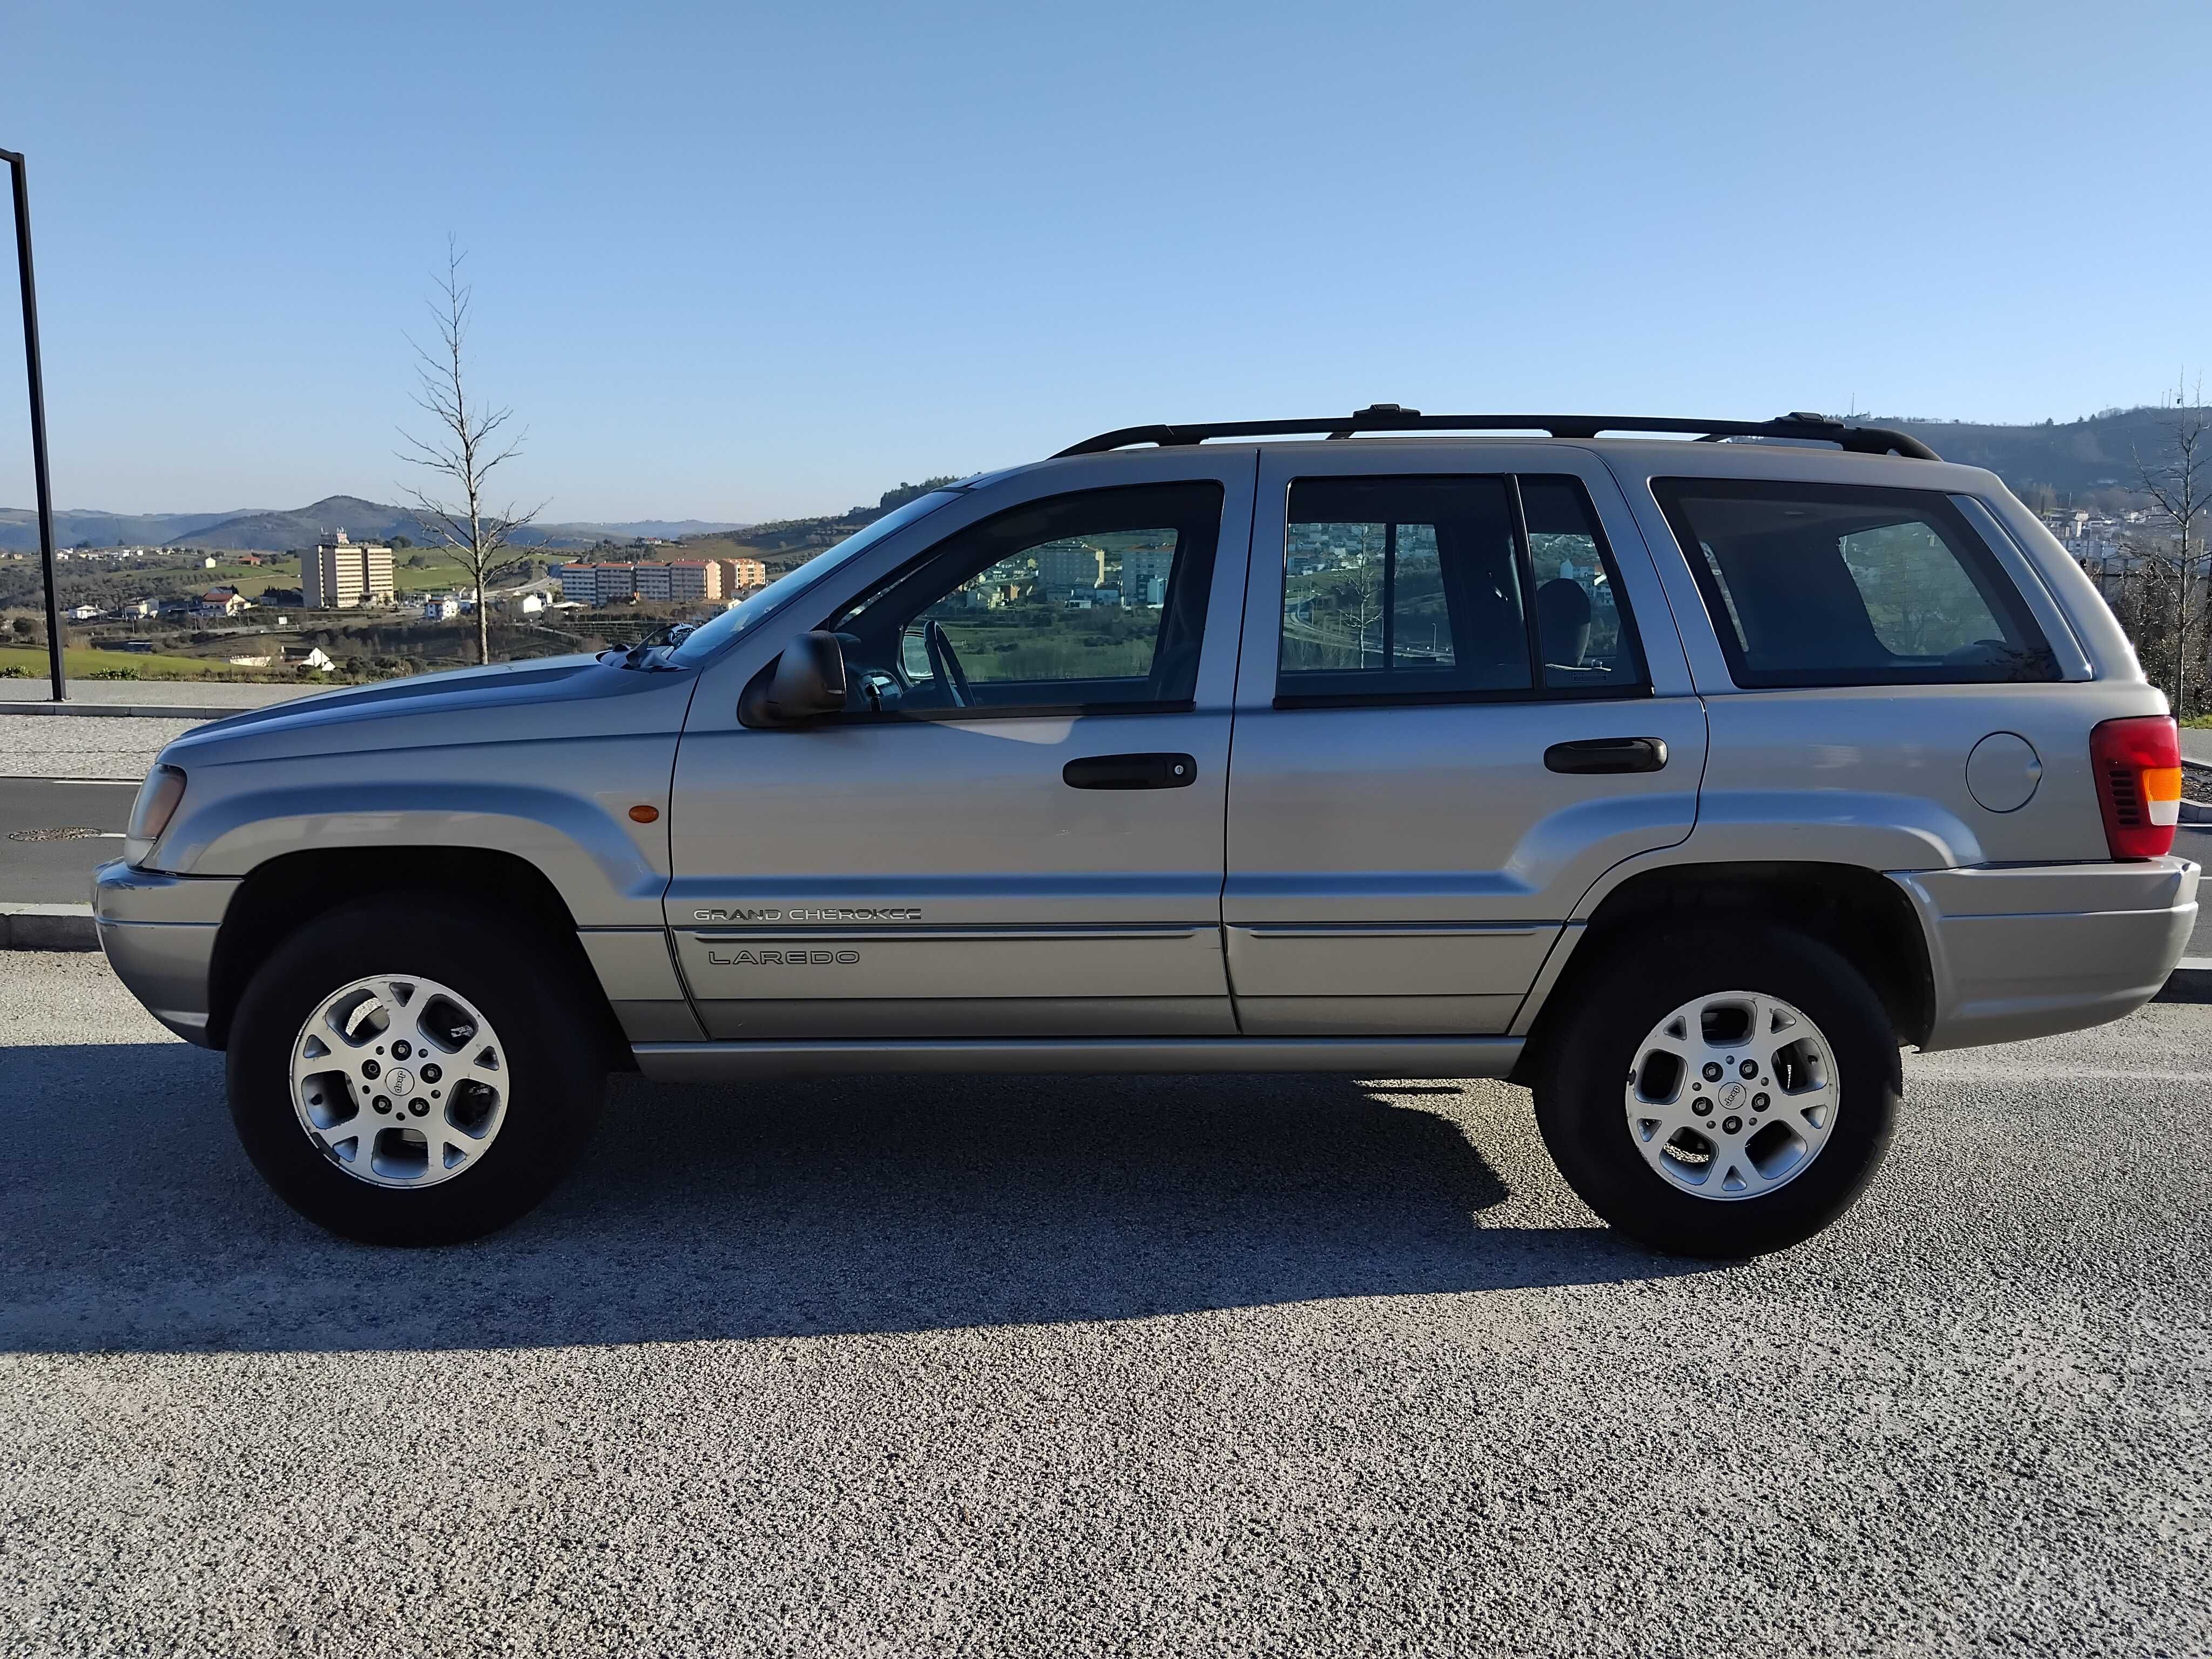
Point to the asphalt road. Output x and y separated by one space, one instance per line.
1288 1365
46 856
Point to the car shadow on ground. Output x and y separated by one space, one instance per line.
130 1220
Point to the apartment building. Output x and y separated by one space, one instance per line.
1065 567
598 584
741 576
1145 574
692 579
340 574
674 581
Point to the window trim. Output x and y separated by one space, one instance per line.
1621 690
1977 561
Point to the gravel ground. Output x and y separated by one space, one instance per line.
1101 1366
87 746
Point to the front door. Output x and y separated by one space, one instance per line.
1449 726
1016 828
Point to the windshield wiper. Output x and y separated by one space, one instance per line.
639 654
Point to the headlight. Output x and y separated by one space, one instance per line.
151 813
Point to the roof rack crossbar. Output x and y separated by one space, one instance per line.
1389 417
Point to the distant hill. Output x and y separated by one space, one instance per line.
2078 463
2089 462
785 543
19 528
273 532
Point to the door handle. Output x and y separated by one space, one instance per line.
1131 772
1608 755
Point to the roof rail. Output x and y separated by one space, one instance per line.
1388 418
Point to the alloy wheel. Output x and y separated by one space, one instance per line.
399 1081
1732 1096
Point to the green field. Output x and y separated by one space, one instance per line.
81 663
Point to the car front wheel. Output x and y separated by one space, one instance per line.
412 1073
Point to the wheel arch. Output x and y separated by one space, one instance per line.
1860 913
282 894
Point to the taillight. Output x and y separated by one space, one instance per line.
2138 766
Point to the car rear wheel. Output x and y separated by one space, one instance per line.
1720 1090
399 1077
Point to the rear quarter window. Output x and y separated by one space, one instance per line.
1845 584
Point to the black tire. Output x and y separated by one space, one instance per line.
1592 1048
544 1025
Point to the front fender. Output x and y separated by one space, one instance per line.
611 872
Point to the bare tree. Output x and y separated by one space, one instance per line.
2179 484
466 452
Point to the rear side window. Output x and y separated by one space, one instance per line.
1447 588
1842 585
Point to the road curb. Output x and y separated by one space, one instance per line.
130 711
48 927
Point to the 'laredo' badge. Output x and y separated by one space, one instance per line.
785 958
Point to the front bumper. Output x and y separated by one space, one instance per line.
2026 950
159 932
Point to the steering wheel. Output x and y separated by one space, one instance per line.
945 663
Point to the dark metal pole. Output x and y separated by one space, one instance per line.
45 484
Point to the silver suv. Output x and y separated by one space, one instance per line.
1683 781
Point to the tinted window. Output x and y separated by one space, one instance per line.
1417 587
1094 599
1839 585
1584 639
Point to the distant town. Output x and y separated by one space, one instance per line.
354 603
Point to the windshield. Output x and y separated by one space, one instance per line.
709 637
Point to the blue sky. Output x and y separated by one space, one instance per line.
734 262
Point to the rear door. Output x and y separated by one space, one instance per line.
1461 700
1017 828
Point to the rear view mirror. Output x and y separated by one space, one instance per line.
805 682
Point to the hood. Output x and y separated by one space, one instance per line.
350 716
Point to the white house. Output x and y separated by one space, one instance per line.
441 609
247 662
84 613
309 656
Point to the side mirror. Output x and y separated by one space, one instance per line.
807 681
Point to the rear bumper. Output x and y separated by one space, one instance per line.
2026 950
159 932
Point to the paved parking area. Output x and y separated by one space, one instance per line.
1101 1366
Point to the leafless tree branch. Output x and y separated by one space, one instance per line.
461 452
2179 484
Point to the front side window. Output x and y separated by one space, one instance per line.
1421 587
1091 600
1843 584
